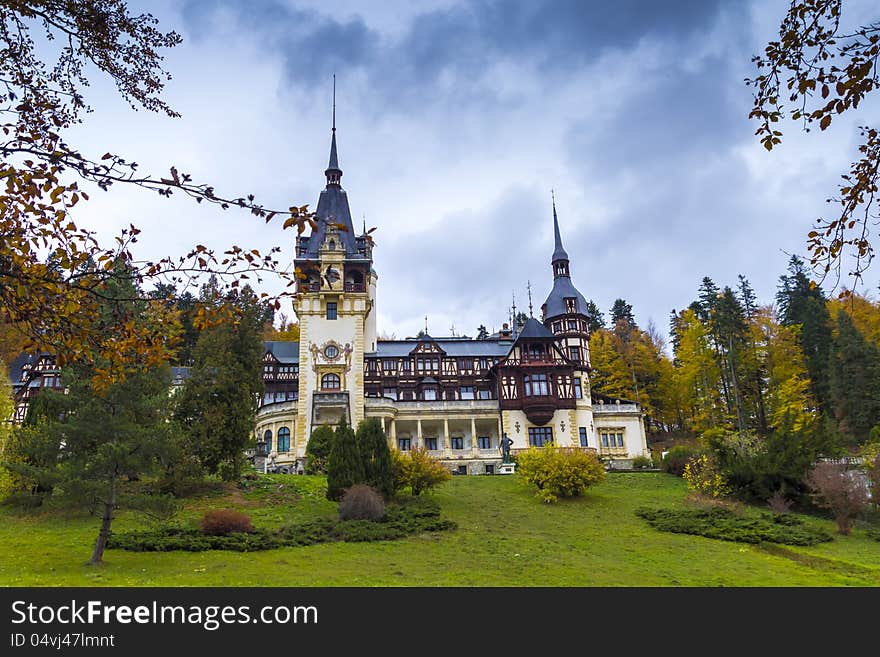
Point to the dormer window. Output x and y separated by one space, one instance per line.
571 305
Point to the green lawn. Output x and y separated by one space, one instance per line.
505 537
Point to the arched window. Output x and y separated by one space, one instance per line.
330 382
267 438
284 439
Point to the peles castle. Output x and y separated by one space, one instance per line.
455 397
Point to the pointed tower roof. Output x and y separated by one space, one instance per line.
563 288
558 252
333 203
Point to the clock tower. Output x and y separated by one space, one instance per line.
335 305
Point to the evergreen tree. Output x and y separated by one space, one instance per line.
107 434
621 311
854 381
344 465
375 456
595 318
803 303
218 403
318 449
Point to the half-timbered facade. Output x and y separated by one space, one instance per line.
455 397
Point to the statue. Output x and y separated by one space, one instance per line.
505 449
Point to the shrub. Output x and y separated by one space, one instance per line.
344 466
221 522
723 524
779 503
703 477
413 515
318 450
559 471
677 457
417 470
642 463
362 502
375 455
839 489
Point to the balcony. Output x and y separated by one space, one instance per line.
355 287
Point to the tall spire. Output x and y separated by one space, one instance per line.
333 172
558 252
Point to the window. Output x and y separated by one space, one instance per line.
431 443
331 351
571 305
604 439
574 353
389 365
403 444
407 365
557 327
583 433
457 442
485 442
467 392
572 325
292 395
490 469
390 393
578 391
407 395
536 385
330 382
462 470
620 440
331 310
540 436
267 438
427 364
484 394
284 439
429 394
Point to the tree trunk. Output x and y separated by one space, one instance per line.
104 534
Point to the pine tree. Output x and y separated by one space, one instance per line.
621 311
344 465
375 456
803 303
854 381
595 318
218 403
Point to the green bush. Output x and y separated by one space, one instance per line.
725 525
404 518
678 457
642 463
559 471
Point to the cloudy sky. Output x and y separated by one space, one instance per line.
455 120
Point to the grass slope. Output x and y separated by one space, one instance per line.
505 537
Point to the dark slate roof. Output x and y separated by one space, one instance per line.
18 363
558 252
284 350
453 348
534 329
332 208
562 288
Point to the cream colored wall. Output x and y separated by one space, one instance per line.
634 438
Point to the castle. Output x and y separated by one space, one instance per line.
455 397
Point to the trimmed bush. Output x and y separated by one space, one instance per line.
559 471
678 457
361 502
222 522
412 516
723 524
344 466
642 463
